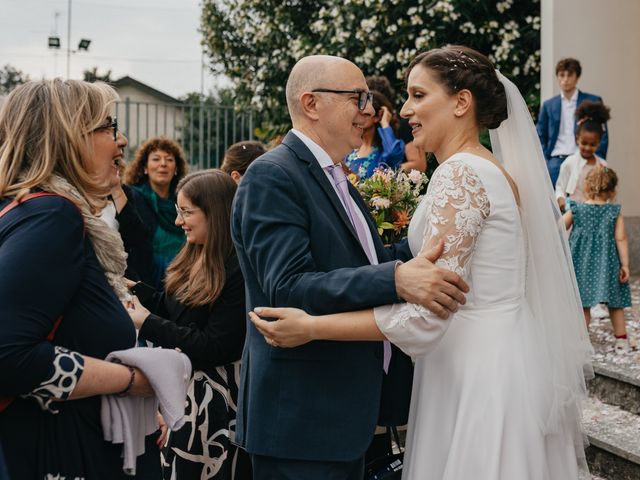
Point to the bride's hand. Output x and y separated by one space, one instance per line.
293 327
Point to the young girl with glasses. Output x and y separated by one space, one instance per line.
202 312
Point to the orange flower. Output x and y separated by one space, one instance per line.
401 219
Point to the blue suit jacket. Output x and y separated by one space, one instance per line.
297 248
549 124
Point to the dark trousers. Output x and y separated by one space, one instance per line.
553 165
4 475
271 468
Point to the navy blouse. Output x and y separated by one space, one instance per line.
48 269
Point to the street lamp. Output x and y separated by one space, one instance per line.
54 42
54 39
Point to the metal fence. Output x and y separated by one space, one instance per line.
204 131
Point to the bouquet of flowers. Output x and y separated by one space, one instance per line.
392 198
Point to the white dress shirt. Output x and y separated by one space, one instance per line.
324 160
566 143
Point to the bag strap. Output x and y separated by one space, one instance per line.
28 196
5 400
396 437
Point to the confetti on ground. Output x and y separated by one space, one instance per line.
613 425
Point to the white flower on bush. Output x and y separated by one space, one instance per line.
319 26
380 203
536 23
503 6
422 43
368 56
468 27
384 60
368 24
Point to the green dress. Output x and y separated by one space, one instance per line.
595 255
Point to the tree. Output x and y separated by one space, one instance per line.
256 42
92 75
10 78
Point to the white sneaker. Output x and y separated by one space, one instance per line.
600 311
622 346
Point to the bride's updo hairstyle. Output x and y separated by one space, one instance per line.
457 68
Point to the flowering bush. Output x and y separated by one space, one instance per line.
392 198
256 42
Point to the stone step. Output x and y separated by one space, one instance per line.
614 437
617 379
617 384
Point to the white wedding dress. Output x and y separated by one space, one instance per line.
480 391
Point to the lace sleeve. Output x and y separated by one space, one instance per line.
457 206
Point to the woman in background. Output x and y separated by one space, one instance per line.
158 166
202 312
380 145
239 156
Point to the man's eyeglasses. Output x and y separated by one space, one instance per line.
184 212
110 123
363 97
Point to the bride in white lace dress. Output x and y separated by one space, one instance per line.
497 386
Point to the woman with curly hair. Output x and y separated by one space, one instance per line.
158 166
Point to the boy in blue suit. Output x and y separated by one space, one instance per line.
557 122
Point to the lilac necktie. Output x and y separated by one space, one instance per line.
361 230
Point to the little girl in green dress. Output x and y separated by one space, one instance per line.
600 251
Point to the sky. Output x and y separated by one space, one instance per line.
154 41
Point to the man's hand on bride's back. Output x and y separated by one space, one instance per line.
421 282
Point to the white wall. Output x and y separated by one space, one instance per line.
605 36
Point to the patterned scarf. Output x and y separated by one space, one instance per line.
106 241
